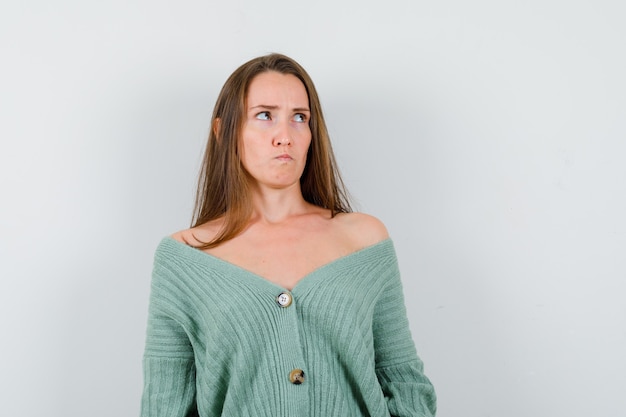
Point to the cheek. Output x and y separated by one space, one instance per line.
308 143
306 138
252 155
245 152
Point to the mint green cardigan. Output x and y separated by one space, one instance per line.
221 342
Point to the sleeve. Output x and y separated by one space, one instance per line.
399 370
168 362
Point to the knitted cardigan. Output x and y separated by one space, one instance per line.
219 342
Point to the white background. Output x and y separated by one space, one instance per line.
489 136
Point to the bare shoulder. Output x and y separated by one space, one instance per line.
185 236
364 229
197 235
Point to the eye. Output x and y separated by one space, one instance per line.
264 115
300 118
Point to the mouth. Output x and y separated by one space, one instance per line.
284 157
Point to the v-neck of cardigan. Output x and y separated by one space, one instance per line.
302 284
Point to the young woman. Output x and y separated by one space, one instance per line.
278 301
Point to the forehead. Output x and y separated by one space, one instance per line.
274 88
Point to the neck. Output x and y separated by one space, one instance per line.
277 205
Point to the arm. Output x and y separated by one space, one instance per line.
168 363
400 371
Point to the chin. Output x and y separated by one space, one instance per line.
286 183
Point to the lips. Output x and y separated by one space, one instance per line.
284 157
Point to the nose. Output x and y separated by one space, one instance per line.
282 135
282 141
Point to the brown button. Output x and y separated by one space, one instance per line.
296 376
284 299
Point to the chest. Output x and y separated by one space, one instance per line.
283 259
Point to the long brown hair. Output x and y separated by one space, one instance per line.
223 184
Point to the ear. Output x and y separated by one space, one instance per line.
216 127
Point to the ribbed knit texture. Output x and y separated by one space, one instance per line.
218 344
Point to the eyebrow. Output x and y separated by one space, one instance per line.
265 106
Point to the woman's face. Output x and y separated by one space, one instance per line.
276 136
